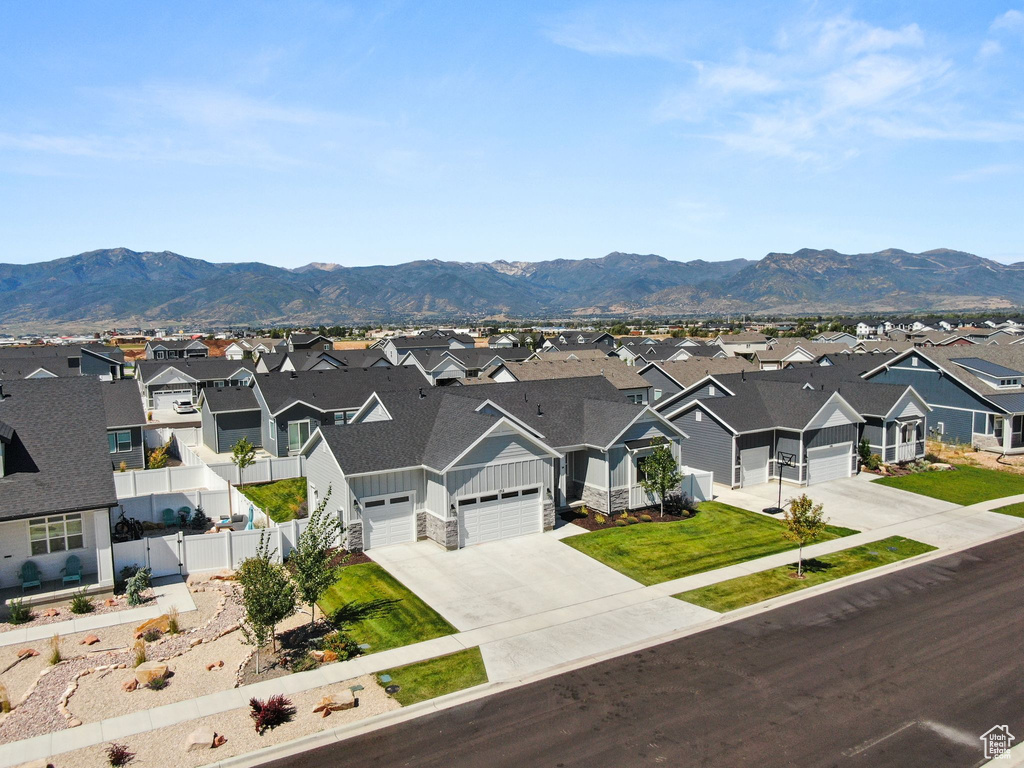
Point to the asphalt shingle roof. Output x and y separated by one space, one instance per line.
227 399
337 389
200 368
622 376
122 403
58 459
760 404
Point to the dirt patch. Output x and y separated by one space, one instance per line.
591 523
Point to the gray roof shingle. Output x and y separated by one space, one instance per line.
122 403
337 389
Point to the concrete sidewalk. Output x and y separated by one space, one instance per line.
169 592
527 645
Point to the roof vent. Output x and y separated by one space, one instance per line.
1 390
421 393
294 375
539 411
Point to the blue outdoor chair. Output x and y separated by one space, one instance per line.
72 570
29 575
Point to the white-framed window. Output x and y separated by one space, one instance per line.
657 394
913 362
219 384
698 416
298 434
1004 383
58 533
638 399
940 428
119 442
339 418
711 391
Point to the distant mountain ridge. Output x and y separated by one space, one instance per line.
119 286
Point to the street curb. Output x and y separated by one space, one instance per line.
377 722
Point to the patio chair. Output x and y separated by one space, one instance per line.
29 575
72 570
170 519
184 515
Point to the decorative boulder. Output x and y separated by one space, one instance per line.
49 612
161 624
27 652
89 640
329 656
110 602
130 685
148 671
202 737
317 655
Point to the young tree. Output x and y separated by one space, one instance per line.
311 559
659 471
804 521
243 454
268 597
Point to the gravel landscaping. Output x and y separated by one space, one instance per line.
64 611
165 747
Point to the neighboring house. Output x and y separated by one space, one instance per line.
307 341
163 383
572 351
396 348
742 343
56 487
467 465
43 362
228 415
241 349
836 337
292 405
505 340
321 360
669 378
164 349
976 393
632 386
641 354
447 366
865 329
783 352
634 341
587 338
987 335
743 432
125 422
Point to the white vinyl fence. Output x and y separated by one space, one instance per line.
265 470
182 554
697 484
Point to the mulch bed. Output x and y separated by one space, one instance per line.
354 558
590 523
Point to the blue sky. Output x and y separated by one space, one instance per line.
381 133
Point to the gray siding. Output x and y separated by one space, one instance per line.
872 431
136 457
437 495
501 448
232 427
750 442
703 393
386 483
842 433
709 446
209 428
956 424
787 442
596 472
297 412
322 473
497 477
94 366
659 380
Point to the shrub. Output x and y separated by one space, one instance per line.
118 755
139 650
80 602
136 585
632 520
600 519
645 518
932 458
199 521
873 462
303 663
157 458
864 449
19 612
123 467
270 713
55 655
341 644
583 511
172 621
151 635
621 523
157 684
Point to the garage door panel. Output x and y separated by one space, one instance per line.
829 463
754 466
499 516
166 400
388 521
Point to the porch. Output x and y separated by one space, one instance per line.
1007 435
55 591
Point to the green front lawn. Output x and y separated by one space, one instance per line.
963 485
436 677
719 535
380 611
747 590
1015 510
281 500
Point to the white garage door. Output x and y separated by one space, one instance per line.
166 400
388 521
829 462
499 516
754 466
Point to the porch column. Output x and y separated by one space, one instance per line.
103 547
1007 433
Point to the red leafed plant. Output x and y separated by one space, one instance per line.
118 755
270 713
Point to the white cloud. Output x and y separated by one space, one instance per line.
989 49
739 79
589 33
986 172
1011 21
845 35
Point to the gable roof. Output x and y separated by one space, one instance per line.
305 359
175 343
686 373
55 463
122 403
229 399
622 376
333 390
198 368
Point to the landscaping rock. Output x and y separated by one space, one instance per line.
38 764
202 737
74 722
148 671
329 656
317 655
938 465
219 741
346 699
27 652
161 624
194 642
89 640
130 685
110 602
50 612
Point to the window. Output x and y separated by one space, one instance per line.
698 416
913 362
1009 383
339 418
638 399
298 434
119 442
55 534
711 391
641 473
219 384
74 362
657 394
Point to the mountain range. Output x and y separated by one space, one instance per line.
119 287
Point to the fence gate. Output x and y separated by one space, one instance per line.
164 555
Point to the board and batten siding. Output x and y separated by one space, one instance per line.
388 483
704 392
787 442
619 458
232 427
497 477
297 412
209 426
437 495
136 457
753 442
872 431
501 445
709 446
322 473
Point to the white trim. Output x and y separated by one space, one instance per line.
360 412
647 409
842 402
543 446
509 415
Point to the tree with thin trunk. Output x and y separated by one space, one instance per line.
313 561
804 521
243 454
268 597
659 471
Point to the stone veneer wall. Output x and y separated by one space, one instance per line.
595 498
421 525
444 532
619 499
354 537
549 515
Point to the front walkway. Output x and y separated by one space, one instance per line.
169 592
575 622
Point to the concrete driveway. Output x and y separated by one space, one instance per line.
502 580
854 502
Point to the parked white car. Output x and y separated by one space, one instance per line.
184 406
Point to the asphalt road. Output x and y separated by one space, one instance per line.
908 669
